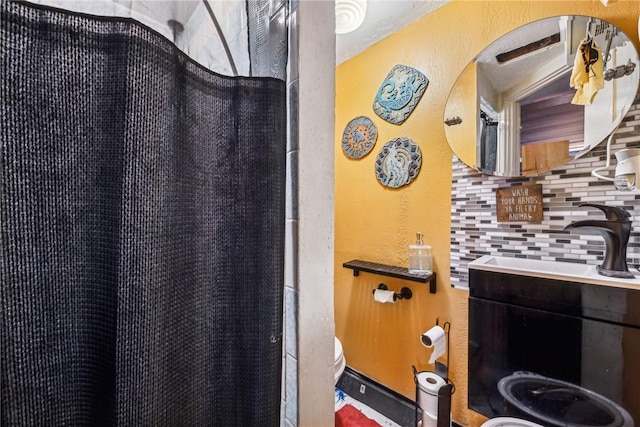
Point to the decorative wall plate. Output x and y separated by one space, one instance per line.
398 162
399 93
359 137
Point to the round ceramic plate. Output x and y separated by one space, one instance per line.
359 137
398 162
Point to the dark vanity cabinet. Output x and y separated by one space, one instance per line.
554 352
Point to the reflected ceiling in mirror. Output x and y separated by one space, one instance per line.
512 111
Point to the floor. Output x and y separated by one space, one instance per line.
344 399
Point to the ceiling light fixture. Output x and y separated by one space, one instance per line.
349 15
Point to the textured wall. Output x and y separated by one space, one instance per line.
316 62
375 223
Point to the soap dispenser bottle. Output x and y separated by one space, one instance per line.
420 257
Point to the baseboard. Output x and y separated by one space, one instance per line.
389 403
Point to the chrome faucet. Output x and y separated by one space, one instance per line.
615 231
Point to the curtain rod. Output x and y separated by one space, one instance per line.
222 38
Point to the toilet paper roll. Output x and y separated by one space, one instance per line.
429 420
434 337
381 295
428 385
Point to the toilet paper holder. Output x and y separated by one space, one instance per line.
442 417
442 369
405 293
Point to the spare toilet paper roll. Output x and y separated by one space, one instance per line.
435 338
428 385
429 420
381 295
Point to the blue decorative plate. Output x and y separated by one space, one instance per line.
398 162
399 93
359 137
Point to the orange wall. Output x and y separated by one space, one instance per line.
375 223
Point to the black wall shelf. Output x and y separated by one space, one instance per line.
392 271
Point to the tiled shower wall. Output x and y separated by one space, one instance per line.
475 230
289 403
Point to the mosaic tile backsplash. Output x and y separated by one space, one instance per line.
475 230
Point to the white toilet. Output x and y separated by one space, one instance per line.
509 422
340 362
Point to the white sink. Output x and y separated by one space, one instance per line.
552 270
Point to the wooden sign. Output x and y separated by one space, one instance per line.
519 204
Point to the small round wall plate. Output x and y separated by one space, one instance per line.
398 162
359 137
399 93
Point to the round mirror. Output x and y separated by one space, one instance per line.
542 95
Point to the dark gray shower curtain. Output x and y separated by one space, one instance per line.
142 220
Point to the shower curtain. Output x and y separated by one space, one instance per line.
142 221
488 143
